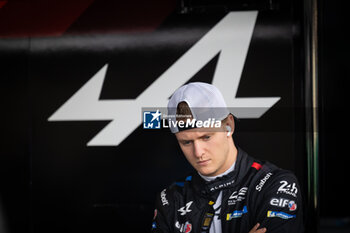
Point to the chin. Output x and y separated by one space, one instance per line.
206 172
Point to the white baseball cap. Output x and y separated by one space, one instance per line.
204 100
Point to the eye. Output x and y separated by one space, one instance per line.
186 142
206 137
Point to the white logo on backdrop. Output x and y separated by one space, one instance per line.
231 37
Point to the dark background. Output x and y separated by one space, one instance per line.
51 181
334 177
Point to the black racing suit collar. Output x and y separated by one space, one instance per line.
204 188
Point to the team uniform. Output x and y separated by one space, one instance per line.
252 192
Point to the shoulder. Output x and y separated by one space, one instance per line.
276 199
266 173
174 191
272 177
277 191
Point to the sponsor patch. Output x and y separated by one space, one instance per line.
185 209
184 227
207 219
277 214
222 186
292 206
263 181
163 198
155 214
236 213
283 202
237 196
287 188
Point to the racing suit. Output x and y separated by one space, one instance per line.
253 192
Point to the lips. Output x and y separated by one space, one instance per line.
204 162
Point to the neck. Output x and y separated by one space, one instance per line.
232 157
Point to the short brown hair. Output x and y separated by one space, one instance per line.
184 112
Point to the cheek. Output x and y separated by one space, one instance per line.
218 148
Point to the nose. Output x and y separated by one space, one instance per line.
198 149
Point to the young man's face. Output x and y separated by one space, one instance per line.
207 151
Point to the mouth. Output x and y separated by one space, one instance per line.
204 162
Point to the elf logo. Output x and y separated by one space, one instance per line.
185 227
282 202
230 38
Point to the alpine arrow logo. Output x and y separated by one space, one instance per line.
185 209
230 37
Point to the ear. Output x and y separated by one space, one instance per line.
230 124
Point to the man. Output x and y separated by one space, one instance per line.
230 191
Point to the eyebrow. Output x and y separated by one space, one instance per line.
205 135
201 137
